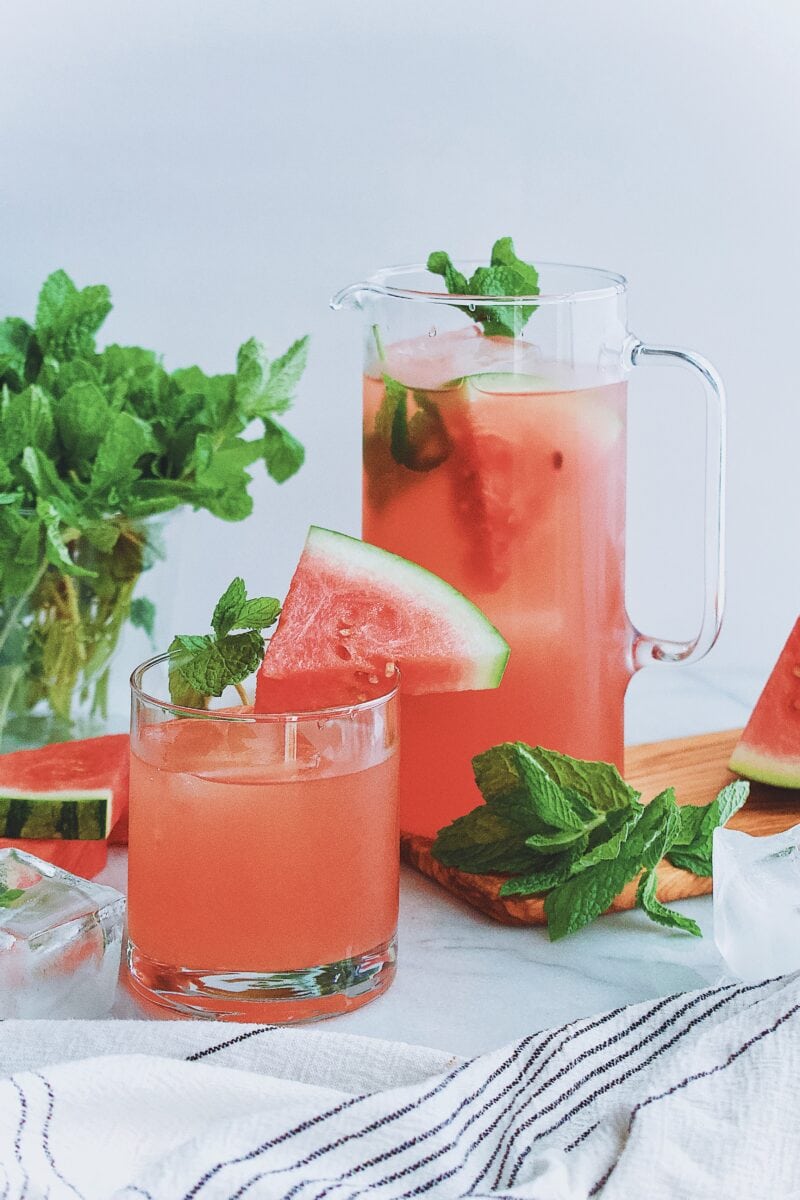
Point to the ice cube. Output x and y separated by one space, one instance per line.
60 940
757 902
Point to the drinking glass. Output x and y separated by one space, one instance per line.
263 855
499 462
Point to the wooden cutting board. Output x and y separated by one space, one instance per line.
696 767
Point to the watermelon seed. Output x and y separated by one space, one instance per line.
372 679
558 459
343 652
345 632
389 670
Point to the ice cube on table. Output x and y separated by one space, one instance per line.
60 940
757 902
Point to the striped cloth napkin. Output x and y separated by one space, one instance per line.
695 1095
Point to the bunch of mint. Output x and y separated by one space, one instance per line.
506 275
204 665
576 832
93 442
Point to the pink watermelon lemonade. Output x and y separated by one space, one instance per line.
507 479
263 862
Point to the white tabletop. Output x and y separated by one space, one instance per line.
466 984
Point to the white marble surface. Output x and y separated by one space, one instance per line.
466 984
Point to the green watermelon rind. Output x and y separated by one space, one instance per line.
84 816
768 750
765 768
481 641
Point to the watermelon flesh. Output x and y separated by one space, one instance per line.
99 764
769 748
354 614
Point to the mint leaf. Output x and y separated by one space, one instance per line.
259 613
67 319
646 899
143 615
283 454
264 387
545 876
56 549
599 783
606 842
227 609
180 689
82 419
440 263
484 842
394 393
563 839
206 664
692 848
506 276
210 665
586 895
421 443
126 439
20 356
511 769
284 376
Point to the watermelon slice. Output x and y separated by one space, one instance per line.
354 613
71 795
769 748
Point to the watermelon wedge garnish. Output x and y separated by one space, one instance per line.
62 801
355 613
769 749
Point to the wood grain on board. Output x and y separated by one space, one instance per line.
696 767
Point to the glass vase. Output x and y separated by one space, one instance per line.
68 642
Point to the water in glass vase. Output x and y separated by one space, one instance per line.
504 474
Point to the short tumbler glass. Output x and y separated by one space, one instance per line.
263 855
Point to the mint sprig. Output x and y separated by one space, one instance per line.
204 665
577 833
506 275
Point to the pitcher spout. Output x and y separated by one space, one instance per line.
351 297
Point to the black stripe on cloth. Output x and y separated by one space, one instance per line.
506 1145
51 1103
230 1042
676 1087
23 1117
311 1122
626 1075
513 1085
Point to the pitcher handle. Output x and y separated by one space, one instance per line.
647 650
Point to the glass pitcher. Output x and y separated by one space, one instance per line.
499 462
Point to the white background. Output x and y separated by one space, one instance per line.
225 167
